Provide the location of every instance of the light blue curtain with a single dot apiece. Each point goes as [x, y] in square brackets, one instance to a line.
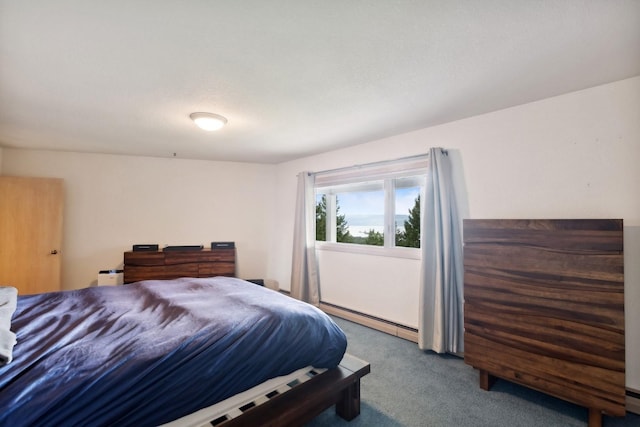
[441, 319]
[304, 270]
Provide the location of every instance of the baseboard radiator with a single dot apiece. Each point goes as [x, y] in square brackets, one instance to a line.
[368, 320]
[633, 401]
[372, 322]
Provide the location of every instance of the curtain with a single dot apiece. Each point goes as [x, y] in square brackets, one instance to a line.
[304, 272]
[441, 320]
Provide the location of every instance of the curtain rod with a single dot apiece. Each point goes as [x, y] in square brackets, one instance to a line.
[381, 162]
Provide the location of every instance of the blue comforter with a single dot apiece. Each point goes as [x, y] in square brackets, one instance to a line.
[150, 352]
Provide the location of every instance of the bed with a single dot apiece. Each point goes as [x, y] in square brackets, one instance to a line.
[160, 351]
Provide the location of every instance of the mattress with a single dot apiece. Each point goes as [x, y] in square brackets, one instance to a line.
[153, 351]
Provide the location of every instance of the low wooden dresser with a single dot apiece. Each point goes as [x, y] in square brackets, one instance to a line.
[165, 265]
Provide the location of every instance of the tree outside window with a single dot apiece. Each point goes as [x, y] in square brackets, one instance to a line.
[342, 228]
[410, 236]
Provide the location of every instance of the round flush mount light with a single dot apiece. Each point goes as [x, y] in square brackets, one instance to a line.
[208, 121]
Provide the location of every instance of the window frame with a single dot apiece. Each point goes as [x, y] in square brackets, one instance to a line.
[358, 177]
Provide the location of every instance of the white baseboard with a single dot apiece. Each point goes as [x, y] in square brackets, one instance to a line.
[633, 402]
[371, 322]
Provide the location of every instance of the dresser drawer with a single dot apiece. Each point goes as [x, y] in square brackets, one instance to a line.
[143, 258]
[216, 269]
[159, 272]
[203, 256]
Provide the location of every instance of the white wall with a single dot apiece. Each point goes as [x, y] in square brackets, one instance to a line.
[572, 156]
[396, 300]
[113, 202]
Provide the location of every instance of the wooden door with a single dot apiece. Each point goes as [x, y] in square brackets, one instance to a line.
[30, 233]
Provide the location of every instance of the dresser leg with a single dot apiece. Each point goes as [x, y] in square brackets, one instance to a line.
[486, 380]
[595, 417]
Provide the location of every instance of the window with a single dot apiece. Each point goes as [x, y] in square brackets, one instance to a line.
[368, 207]
[407, 211]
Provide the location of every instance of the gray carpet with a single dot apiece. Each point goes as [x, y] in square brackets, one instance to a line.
[408, 387]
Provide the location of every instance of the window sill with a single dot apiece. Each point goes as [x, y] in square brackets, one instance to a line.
[396, 252]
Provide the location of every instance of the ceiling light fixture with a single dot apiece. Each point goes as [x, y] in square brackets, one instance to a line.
[208, 121]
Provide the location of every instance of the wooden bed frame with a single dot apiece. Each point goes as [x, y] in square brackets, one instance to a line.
[292, 400]
[339, 386]
[544, 307]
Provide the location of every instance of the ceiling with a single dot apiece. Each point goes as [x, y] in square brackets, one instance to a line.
[293, 78]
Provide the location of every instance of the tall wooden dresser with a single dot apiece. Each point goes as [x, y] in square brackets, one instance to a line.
[165, 265]
[544, 307]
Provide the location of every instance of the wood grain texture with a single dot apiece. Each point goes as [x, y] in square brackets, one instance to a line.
[160, 265]
[544, 307]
